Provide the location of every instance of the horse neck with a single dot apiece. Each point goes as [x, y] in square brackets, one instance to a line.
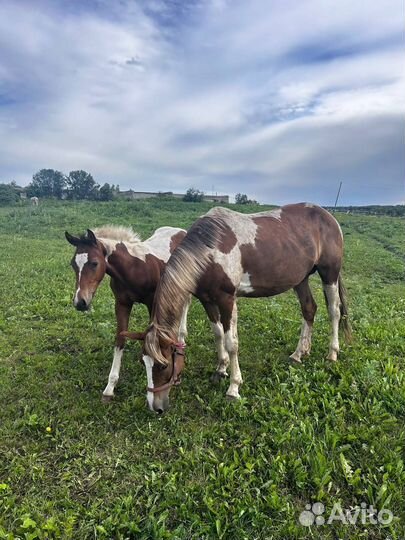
[134, 248]
[168, 305]
[182, 274]
[167, 320]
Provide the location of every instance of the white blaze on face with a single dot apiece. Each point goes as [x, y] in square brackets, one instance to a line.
[147, 360]
[80, 260]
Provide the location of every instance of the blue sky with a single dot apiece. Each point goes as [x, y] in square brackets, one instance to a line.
[281, 100]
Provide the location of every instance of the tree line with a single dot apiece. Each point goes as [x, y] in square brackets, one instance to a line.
[48, 183]
[76, 185]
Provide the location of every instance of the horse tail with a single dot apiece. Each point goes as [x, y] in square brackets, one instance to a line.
[344, 323]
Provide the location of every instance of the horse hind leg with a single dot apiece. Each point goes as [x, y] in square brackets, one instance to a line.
[330, 283]
[308, 308]
[331, 292]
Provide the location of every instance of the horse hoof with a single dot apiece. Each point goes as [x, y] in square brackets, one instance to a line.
[295, 359]
[106, 399]
[230, 397]
[218, 376]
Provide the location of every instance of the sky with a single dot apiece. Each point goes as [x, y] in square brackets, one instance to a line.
[278, 99]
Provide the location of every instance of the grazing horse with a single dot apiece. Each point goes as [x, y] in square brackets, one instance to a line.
[135, 268]
[225, 255]
[34, 201]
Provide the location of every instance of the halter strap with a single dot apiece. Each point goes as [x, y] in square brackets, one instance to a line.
[178, 350]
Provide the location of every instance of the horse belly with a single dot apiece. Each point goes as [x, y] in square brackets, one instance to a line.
[268, 272]
[269, 284]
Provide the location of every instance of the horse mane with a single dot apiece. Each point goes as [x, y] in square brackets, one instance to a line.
[117, 233]
[180, 279]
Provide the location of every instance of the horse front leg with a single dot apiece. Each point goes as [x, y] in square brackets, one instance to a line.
[308, 308]
[216, 325]
[183, 322]
[122, 313]
[223, 356]
[229, 317]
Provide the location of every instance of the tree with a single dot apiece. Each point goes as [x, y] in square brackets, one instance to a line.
[81, 185]
[193, 195]
[47, 183]
[8, 195]
[106, 192]
[242, 198]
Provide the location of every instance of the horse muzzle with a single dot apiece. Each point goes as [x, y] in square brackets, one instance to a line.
[81, 304]
[158, 402]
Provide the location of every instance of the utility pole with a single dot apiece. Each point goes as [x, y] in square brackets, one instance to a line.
[337, 196]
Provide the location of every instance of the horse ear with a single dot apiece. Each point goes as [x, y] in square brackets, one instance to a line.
[140, 336]
[72, 239]
[91, 236]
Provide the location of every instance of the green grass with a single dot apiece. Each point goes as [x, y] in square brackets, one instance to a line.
[208, 469]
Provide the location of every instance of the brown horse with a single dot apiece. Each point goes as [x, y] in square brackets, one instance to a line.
[225, 255]
[135, 268]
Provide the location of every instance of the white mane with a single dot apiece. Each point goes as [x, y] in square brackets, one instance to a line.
[118, 234]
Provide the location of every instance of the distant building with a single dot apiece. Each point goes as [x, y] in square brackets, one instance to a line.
[130, 194]
[216, 198]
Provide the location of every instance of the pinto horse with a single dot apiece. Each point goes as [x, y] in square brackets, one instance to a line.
[226, 254]
[135, 268]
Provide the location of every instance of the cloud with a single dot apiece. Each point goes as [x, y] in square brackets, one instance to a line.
[281, 100]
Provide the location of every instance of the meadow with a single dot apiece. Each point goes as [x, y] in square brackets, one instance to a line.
[74, 468]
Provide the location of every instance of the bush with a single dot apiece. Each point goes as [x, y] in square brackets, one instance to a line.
[242, 198]
[193, 195]
[106, 192]
[8, 195]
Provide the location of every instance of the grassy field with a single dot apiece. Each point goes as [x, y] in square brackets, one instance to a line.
[71, 467]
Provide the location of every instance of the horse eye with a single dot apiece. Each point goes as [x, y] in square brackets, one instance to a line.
[162, 367]
[93, 264]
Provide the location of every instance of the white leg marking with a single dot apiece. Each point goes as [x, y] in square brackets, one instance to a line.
[332, 294]
[147, 360]
[223, 357]
[183, 322]
[232, 345]
[80, 260]
[304, 343]
[245, 285]
[114, 372]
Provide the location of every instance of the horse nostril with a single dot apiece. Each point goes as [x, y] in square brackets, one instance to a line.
[81, 305]
[159, 411]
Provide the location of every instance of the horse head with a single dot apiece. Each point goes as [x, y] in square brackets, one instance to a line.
[90, 266]
[163, 358]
